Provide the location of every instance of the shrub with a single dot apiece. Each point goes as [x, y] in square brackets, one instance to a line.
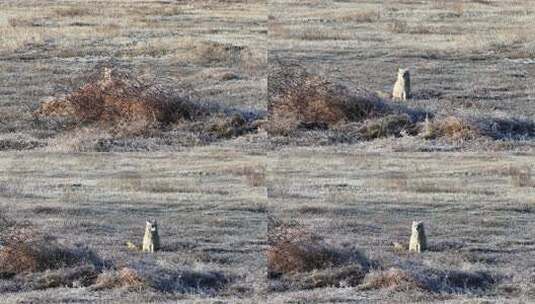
[393, 279]
[118, 101]
[125, 277]
[293, 250]
[391, 125]
[300, 99]
[75, 277]
[24, 251]
[451, 127]
[428, 279]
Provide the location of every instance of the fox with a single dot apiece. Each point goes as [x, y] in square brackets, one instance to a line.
[151, 240]
[402, 87]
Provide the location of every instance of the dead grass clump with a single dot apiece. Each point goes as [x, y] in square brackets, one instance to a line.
[392, 125]
[86, 139]
[339, 277]
[298, 99]
[75, 277]
[451, 127]
[117, 101]
[455, 281]
[392, 279]
[24, 250]
[125, 277]
[223, 126]
[506, 128]
[427, 279]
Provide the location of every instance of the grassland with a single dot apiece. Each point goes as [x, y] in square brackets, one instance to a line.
[352, 199]
[477, 218]
[215, 52]
[210, 206]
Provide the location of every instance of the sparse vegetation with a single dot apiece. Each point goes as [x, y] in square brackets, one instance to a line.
[280, 170]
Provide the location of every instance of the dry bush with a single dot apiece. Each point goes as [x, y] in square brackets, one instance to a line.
[393, 279]
[391, 125]
[428, 279]
[294, 249]
[24, 250]
[223, 125]
[452, 127]
[299, 259]
[123, 278]
[75, 277]
[300, 99]
[117, 102]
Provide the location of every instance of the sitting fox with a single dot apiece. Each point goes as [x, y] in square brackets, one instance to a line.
[151, 240]
[402, 88]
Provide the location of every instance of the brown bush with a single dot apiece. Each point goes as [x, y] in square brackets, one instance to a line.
[24, 250]
[298, 98]
[393, 278]
[124, 278]
[294, 249]
[451, 127]
[118, 101]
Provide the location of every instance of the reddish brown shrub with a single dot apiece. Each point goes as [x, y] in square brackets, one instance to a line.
[294, 249]
[115, 99]
[298, 98]
[24, 250]
[123, 278]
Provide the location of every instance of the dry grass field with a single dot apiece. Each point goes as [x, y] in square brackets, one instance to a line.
[471, 59]
[210, 205]
[262, 137]
[476, 213]
[213, 51]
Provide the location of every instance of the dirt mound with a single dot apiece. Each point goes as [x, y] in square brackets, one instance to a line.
[118, 100]
[300, 99]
